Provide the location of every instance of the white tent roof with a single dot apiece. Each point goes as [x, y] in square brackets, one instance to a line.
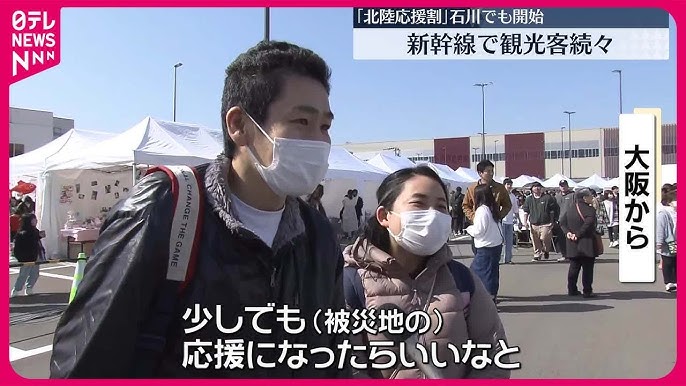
[390, 162]
[554, 181]
[62, 148]
[523, 180]
[468, 174]
[344, 165]
[448, 175]
[593, 182]
[151, 142]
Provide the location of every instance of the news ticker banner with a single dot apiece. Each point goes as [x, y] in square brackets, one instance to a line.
[510, 34]
[638, 190]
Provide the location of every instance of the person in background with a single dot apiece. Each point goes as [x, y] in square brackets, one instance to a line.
[15, 222]
[488, 239]
[349, 224]
[359, 204]
[402, 258]
[611, 204]
[508, 222]
[13, 203]
[541, 212]
[579, 225]
[457, 213]
[524, 233]
[315, 199]
[667, 191]
[27, 249]
[28, 204]
[501, 195]
[565, 200]
[615, 191]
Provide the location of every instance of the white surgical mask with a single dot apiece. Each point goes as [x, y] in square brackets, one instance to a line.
[423, 232]
[298, 166]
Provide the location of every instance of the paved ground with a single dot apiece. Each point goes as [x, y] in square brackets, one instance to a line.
[629, 331]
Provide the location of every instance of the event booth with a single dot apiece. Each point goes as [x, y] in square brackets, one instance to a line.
[76, 193]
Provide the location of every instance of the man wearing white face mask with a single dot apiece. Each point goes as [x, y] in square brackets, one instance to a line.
[260, 245]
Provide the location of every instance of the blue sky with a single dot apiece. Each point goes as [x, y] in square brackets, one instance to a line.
[116, 69]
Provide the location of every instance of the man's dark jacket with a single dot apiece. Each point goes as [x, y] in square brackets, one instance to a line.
[96, 336]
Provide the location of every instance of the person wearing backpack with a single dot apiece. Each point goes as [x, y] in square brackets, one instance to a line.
[403, 259]
[147, 309]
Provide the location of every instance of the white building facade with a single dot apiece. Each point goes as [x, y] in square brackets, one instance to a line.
[31, 129]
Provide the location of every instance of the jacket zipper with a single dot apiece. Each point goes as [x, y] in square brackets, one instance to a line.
[273, 278]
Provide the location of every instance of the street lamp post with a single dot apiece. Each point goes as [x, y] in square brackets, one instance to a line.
[266, 24]
[176, 66]
[620, 88]
[562, 148]
[569, 126]
[483, 116]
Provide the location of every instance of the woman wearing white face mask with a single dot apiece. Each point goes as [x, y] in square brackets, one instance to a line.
[402, 260]
[488, 239]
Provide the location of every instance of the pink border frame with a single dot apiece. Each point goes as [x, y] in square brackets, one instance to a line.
[677, 8]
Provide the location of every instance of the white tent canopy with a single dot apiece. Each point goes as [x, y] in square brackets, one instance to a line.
[523, 180]
[467, 174]
[594, 182]
[32, 164]
[390, 162]
[152, 142]
[554, 181]
[344, 165]
[448, 175]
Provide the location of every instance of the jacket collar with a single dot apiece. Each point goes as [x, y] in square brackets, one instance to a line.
[363, 254]
[219, 200]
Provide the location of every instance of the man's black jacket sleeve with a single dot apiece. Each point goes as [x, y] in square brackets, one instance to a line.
[96, 336]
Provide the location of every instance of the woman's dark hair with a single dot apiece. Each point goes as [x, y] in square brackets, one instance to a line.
[26, 222]
[386, 195]
[484, 196]
[668, 197]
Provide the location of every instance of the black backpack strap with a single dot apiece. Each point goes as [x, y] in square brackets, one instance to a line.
[354, 291]
[184, 243]
[464, 282]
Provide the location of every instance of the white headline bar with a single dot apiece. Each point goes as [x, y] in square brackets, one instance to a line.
[637, 258]
[511, 44]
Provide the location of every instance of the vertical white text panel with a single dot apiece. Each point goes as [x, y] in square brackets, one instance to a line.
[636, 227]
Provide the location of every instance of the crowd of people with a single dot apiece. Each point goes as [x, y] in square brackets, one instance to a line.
[260, 245]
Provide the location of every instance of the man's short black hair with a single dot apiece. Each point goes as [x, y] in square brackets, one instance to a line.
[507, 181]
[255, 79]
[481, 166]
